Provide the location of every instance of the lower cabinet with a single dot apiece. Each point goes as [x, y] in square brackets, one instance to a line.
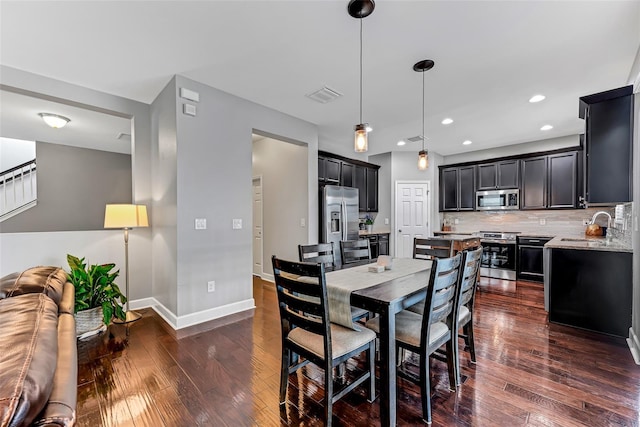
[591, 289]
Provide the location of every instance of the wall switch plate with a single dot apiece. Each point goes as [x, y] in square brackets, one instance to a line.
[542, 221]
[237, 224]
[386, 221]
[191, 95]
[456, 221]
[189, 109]
[303, 223]
[211, 286]
[201, 223]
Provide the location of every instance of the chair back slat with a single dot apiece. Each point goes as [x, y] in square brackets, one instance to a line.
[432, 247]
[469, 278]
[321, 253]
[355, 250]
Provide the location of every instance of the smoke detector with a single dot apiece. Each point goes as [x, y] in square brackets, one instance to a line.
[324, 95]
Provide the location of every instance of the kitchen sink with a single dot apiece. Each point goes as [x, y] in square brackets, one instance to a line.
[575, 240]
[589, 242]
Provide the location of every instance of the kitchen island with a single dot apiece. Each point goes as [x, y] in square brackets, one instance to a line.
[588, 284]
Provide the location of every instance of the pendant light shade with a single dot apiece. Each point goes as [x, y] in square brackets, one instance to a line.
[423, 155]
[360, 9]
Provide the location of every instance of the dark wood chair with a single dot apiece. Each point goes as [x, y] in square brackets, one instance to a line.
[424, 334]
[432, 247]
[469, 276]
[322, 253]
[354, 251]
[307, 331]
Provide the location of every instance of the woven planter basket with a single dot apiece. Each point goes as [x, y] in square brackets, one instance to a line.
[89, 321]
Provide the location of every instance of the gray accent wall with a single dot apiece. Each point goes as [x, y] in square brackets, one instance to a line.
[74, 185]
[283, 168]
[634, 334]
[213, 180]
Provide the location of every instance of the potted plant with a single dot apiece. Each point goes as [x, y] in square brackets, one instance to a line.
[98, 298]
[368, 222]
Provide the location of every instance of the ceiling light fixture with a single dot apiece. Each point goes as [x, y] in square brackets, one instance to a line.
[447, 121]
[423, 155]
[546, 127]
[54, 120]
[401, 143]
[537, 98]
[360, 9]
[467, 142]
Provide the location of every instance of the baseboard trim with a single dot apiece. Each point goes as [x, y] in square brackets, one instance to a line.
[634, 345]
[268, 277]
[179, 322]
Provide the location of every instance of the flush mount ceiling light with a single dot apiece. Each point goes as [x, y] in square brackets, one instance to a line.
[360, 9]
[447, 121]
[467, 142]
[537, 98]
[546, 127]
[423, 155]
[54, 120]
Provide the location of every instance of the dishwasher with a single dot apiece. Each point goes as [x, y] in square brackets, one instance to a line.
[530, 263]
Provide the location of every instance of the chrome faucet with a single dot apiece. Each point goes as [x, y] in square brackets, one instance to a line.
[593, 220]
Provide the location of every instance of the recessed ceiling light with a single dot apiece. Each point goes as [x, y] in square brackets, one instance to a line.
[447, 121]
[54, 120]
[401, 143]
[368, 129]
[467, 142]
[537, 98]
[546, 127]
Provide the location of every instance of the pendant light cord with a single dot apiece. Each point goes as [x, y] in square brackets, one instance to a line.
[360, 70]
[423, 135]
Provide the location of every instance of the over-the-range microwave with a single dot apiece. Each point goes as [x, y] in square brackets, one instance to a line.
[498, 200]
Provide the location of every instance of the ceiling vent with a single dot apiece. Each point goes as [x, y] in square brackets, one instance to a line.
[324, 95]
[416, 138]
[124, 136]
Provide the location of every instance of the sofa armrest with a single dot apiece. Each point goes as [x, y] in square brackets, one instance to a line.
[68, 301]
[61, 407]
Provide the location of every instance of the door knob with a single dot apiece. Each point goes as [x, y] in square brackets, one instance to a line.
[399, 231]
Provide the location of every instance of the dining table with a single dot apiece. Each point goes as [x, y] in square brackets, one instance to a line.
[384, 293]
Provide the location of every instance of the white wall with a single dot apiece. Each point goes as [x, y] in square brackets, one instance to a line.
[283, 168]
[385, 190]
[14, 152]
[516, 149]
[634, 333]
[22, 244]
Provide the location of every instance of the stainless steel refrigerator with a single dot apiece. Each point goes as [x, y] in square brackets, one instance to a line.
[339, 207]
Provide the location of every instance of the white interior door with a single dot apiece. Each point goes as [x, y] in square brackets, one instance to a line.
[413, 202]
[257, 226]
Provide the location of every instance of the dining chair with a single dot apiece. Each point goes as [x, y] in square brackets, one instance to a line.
[432, 247]
[322, 253]
[468, 283]
[355, 250]
[307, 331]
[424, 334]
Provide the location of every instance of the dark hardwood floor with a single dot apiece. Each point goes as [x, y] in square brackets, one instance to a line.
[226, 373]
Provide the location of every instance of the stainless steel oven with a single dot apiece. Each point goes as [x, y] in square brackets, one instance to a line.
[498, 255]
[498, 200]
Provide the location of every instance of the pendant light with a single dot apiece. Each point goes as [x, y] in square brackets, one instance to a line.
[361, 9]
[423, 155]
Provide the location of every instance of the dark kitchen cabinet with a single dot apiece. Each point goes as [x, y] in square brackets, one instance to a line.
[549, 182]
[338, 170]
[383, 244]
[457, 188]
[608, 146]
[530, 265]
[534, 183]
[379, 244]
[498, 175]
[591, 289]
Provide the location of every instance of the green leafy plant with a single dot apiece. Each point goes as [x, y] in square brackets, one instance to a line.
[95, 288]
[368, 220]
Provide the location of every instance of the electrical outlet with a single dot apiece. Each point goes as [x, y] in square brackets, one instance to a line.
[456, 221]
[303, 223]
[237, 224]
[386, 221]
[211, 286]
[542, 221]
[201, 224]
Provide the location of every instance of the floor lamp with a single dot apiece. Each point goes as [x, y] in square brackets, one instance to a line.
[126, 217]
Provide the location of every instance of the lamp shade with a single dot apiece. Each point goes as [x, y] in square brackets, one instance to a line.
[125, 216]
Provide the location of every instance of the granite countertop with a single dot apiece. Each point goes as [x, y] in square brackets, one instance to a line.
[588, 243]
[458, 236]
[373, 232]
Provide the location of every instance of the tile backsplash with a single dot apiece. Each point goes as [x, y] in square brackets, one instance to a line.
[568, 222]
[622, 231]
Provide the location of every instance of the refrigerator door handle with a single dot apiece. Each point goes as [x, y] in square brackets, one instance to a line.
[345, 220]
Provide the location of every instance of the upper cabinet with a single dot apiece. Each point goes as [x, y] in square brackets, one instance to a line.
[550, 182]
[457, 188]
[498, 175]
[338, 170]
[608, 146]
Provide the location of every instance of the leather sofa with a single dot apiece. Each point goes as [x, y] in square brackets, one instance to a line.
[38, 353]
